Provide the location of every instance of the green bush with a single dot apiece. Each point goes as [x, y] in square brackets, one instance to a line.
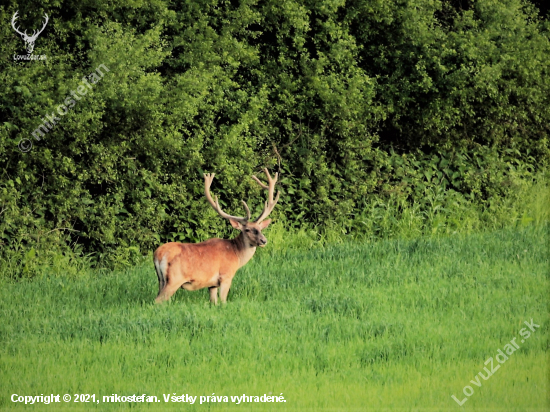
[363, 106]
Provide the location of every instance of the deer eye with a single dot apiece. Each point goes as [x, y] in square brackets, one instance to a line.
[255, 232]
[247, 230]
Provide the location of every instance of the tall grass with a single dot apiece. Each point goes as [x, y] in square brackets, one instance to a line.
[398, 314]
[397, 324]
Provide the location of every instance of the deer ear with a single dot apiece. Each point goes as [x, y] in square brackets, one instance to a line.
[236, 224]
[265, 224]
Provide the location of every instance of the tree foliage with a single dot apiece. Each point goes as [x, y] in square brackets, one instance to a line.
[350, 100]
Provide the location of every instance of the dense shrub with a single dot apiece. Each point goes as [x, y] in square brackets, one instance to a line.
[357, 103]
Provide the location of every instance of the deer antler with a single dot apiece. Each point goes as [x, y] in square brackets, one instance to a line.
[270, 187]
[15, 28]
[208, 178]
[35, 34]
[24, 34]
[29, 40]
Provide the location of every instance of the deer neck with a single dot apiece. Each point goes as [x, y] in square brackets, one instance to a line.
[243, 249]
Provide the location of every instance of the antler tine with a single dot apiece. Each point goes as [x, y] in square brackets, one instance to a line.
[260, 183]
[46, 22]
[270, 187]
[208, 178]
[247, 210]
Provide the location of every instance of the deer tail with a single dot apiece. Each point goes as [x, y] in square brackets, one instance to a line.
[160, 267]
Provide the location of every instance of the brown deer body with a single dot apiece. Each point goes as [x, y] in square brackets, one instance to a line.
[213, 263]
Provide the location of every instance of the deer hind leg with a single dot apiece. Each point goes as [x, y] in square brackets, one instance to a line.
[166, 293]
[168, 285]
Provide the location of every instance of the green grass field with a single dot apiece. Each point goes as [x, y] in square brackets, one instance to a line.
[390, 325]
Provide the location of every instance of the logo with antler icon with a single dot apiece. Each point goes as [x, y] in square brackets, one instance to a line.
[29, 40]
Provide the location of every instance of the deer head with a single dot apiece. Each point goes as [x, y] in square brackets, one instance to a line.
[29, 40]
[251, 230]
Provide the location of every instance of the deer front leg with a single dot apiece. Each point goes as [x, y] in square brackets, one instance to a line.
[213, 294]
[224, 289]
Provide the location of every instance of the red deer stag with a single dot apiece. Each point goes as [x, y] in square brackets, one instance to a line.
[213, 263]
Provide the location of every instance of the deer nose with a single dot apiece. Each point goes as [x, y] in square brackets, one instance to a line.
[263, 242]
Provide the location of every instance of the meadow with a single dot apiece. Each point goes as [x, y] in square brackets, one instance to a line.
[409, 247]
[384, 325]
